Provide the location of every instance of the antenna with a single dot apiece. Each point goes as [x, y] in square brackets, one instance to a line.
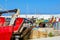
[35, 11]
[6, 4]
[27, 8]
[1, 7]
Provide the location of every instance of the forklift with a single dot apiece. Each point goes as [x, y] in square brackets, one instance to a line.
[13, 30]
[6, 31]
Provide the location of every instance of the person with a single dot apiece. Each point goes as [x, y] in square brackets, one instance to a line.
[41, 25]
[32, 20]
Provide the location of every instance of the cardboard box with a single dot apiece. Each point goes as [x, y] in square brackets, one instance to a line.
[41, 33]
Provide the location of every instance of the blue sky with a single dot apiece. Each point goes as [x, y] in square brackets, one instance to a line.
[32, 6]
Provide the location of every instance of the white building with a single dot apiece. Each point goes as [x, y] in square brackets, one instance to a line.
[37, 16]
